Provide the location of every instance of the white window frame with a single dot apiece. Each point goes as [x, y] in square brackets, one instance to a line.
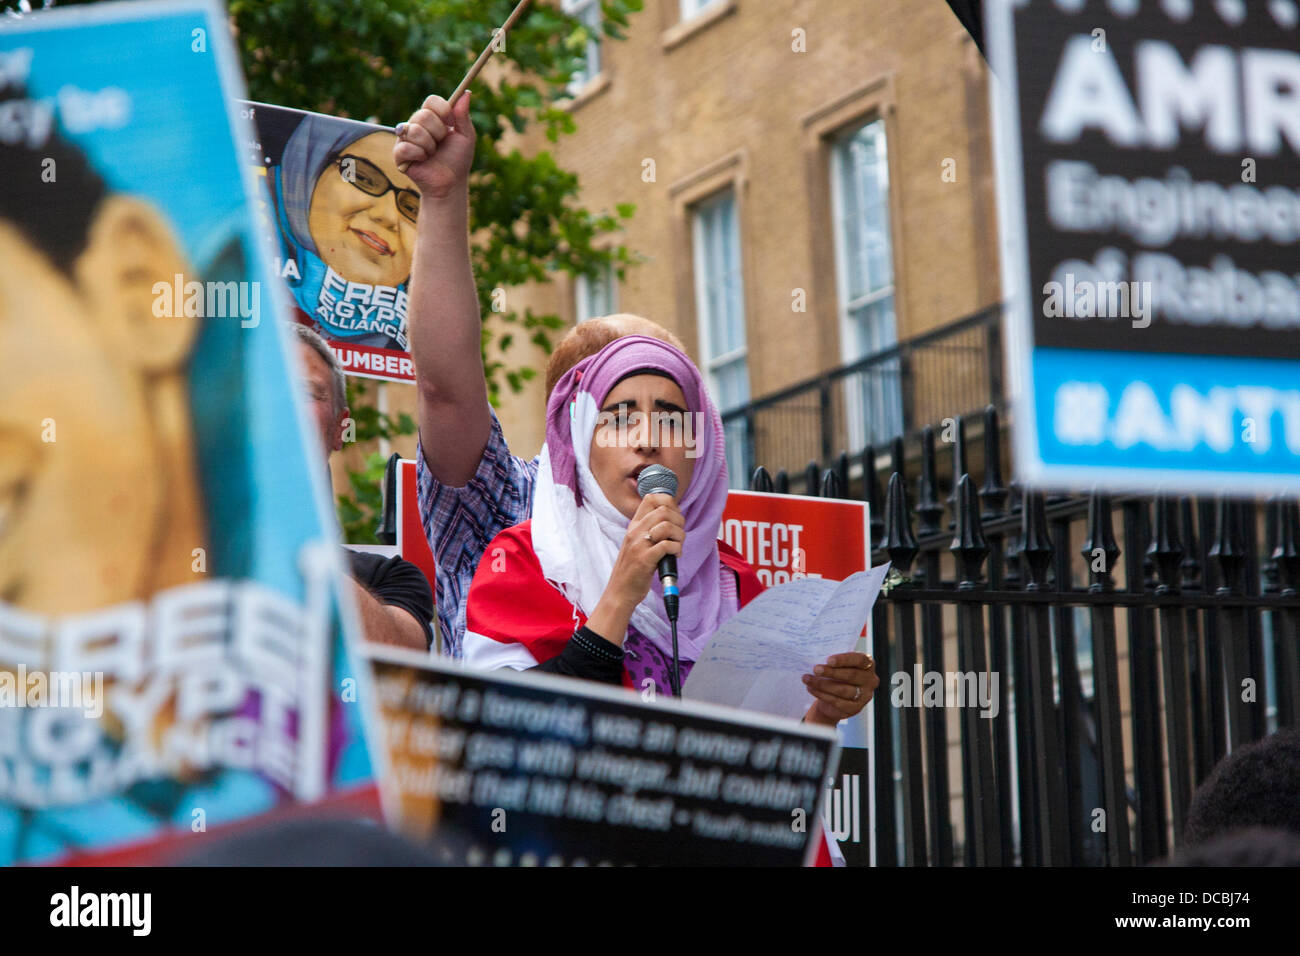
[577, 9]
[857, 423]
[690, 9]
[847, 306]
[583, 288]
[709, 360]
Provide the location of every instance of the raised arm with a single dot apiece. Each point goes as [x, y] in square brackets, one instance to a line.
[443, 313]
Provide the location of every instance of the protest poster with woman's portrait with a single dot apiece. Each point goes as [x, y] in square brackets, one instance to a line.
[343, 218]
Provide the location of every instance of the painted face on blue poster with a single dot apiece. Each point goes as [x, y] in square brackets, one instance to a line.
[171, 640]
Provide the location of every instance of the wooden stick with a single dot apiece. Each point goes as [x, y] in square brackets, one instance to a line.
[483, 57]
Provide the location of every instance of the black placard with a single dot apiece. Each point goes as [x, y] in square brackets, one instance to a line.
[1148, 158]
[1160, 144]
[509, 769]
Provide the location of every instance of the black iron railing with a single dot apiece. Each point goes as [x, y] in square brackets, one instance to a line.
[1180, 637]
[951, 370]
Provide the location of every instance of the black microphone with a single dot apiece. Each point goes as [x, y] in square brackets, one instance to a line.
[657, 479]
[653, 480]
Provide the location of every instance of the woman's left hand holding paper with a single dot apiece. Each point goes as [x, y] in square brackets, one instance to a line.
[842, 687]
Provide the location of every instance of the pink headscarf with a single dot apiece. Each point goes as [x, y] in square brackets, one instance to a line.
[577, 533]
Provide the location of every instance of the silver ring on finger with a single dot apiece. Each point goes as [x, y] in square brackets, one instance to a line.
[857, 693]
[648, 538]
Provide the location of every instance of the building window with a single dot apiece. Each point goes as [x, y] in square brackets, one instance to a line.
[720, 306]
[593, 298]
[691, 8]
[586, 12]
[865, 277]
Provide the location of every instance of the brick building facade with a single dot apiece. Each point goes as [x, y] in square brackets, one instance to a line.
[812, 181]
[800, 171]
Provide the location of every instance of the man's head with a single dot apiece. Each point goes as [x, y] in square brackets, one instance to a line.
[325, 392]
[1257, 785]
[588, 338]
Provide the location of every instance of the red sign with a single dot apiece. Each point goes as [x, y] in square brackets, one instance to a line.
[792, 536]
[371, 362]
[412, 544]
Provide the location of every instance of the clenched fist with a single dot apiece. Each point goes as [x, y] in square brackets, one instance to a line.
[436, 147]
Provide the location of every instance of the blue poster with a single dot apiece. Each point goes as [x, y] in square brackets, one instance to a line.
[173, 646]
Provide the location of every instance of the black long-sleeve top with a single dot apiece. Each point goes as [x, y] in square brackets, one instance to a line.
[589, 656]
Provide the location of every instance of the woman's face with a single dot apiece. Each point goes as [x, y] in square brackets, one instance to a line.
[363, 238]
[641, 424]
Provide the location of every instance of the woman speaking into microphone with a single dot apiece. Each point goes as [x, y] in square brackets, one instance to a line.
[574, 590]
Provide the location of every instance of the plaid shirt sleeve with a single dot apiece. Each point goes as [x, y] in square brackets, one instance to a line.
[459, 523]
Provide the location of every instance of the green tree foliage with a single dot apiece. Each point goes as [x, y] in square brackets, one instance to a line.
[361, 509]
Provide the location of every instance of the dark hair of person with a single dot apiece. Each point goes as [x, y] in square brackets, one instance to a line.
[55, 215]
[323, 843]
[1257, 785]
[1251, 846]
